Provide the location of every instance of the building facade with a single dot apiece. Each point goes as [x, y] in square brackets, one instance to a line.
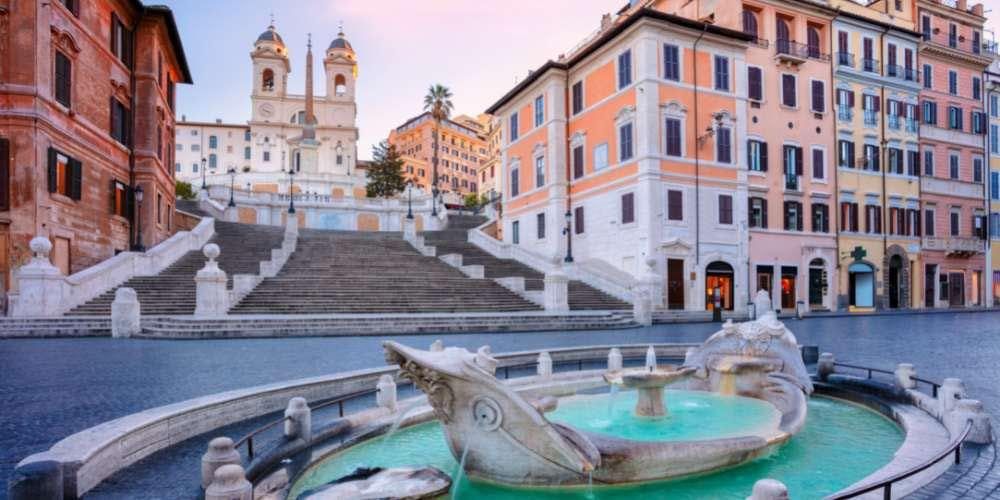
[463, 150]
[314, 135]
[489, 171]
[88, 119]
[992, 100]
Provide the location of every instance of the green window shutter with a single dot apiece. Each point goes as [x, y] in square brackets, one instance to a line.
[75, 179]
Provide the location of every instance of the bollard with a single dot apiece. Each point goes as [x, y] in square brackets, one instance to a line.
[299, 422]
[544, 364]
[220, 452]
[125, 314]
[42, 480]
[967, 410]
[769, 489]
[904, 376]
[614, 360]
[951, 390]
[386, 395]
[824, 367]
[229, 483]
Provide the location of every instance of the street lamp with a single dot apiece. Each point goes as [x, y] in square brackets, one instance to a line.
[291, 190]
[569, 238]
[138, 224]
[409, 200]
[232, 185]
[203, 162]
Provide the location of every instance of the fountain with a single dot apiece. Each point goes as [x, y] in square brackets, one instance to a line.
[503, 437]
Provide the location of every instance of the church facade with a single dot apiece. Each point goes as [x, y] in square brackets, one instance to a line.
[314, 136]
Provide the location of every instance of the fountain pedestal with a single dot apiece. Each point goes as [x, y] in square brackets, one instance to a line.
[649, 384]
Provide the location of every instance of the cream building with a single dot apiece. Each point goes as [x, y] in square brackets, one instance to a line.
[316, 136]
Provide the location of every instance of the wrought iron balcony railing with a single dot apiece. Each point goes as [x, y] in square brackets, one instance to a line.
[902, 73]
[845, 59]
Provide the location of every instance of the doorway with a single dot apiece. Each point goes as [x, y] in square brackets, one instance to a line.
[675, 283]
[719, 275]
[956, 289]
[930, 278]
[895, 268]
[861, 285]
[4, 267]
[817, 283]
[61, 254]
[788, 282]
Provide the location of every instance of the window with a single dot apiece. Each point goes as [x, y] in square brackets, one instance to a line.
[891, 68]
[539, 110]
[788, 90]
[267, 156]
[928, 162]
[928, 76]
[782, 36]
[246, 153]
[791, 159]
[65, 174]
[758, 212]
[194, 167]
[818, 96]
[63, 79]
[625, 142]
[119, 197]
[930, 113]
[721, 73]
[671, 62]
[723, 145]
[246, 135]
[952, 35]
[4, 173]
[213, 142]
[929, 222]
[820, 218]
[624, 69]
[756, 156]
[844, 57]
[213, 160]
[849, 216]
[977, 170]
[925, 27]
[812, 42]
[845, 154]
[725, 209]
[952, 82]
[953, 166]
[793, 216]
[578, 226]
[978, 121]
[869, 63]
[577, 97]
[600, 156]
[195, 147]
[539, 171]
[120, 121]
[673, 139]
[955, 224]
[121, 41]
[995, 139]
[895, 165]
[954, 117]
[976, 88]
[513, 127]
[515, 232]
[675, 205]
[818, 164]
[515, 182]
[755, 85]
[912, 163]
[577, 162]
[871, 158]
[871, 105]
[994, 106]
[628, 208]
[750, 24]
[873, 219]
[995, 187]
[540, 226]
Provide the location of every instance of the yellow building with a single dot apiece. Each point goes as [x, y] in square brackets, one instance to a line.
[462, 152]
[992, 93]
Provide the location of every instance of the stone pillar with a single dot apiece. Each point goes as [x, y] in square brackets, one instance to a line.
[651, 284]
[544, 364]
[409, 229]
[386, 395]
[951, 390]
[642, 307]
[125, 314]
[556, 295]
[229, 483]
[41, 480]
[769, 489]
[614, 360]
[212, 298]
[904, 376]
[824, 367]
[40, 284]
[969, 410]
[299, 422]
[220, 452]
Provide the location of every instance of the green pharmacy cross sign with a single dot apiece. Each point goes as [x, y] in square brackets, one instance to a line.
[859, 253]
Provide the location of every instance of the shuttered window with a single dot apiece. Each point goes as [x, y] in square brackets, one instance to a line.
[673, 131]
[724, 145]
[788, 90]
[671, 62]
[675, 205]
[578, 162]
[624, 69]
[628, 208]
[756, 156]
[818, 96]
[758, 212]
[721, 73]
[65, 174]
[63, 79]
[820, 218]
[577, 97]
[755, 83]
[793, 216]
[578, 226]
[725, 209]
[818, 167]
[120, 121]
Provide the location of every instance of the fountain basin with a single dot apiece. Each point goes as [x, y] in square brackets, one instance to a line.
[649, 383]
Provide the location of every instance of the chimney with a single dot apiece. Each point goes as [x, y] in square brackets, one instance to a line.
[977, 10]
[605, 21]
[218, 120]
[184, 118]
[962, 5]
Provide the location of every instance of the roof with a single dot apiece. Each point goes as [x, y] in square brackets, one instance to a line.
[184, 123]
[881, 24]
[611, 33]
[453, 122]
[340, 43]
[270, 36]
[167, 15]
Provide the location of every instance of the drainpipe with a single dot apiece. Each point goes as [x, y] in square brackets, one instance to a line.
[884, 153]
[133, 236]
[988, 245]
[835, 163]
[697, 161]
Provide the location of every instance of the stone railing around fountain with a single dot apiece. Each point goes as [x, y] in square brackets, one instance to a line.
[42, 291]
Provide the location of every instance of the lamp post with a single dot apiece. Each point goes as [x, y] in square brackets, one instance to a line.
[203, 162]
[409, 200]
[138, 222]
[232, 185]
[569, 238]
[291, 190]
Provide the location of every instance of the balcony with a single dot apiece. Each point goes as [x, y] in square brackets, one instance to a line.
[871, 118]
[844, 113]
[845, 59]
[892, 121]
[790, 52]
[902, 73]
[937, 38]
[912, 125]
[955, 246]
[792, 182]
[869, 65]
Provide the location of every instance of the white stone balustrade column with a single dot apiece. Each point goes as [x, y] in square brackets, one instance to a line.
[298, 423]
[221, 451]
[229, 483]
[544, 364]
[556, 294]
[126, 319]
[386, 396]
[212, 299]
[40, 284]
[409, 229]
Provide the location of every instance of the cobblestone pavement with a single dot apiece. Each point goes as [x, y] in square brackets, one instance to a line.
[52, 388]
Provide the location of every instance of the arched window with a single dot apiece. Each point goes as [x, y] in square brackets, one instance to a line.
[750, 23]
[267, 79]
[813, 41]
[339, 85]
[782, 36]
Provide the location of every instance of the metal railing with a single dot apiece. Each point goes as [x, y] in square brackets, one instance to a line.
[870, 371]
[800, 50]
[845, 59]
[869, 65]
[902, 72]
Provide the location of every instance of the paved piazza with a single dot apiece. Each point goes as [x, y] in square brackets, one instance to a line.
[53, 388]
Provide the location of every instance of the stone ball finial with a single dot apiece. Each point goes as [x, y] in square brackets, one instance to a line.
[769, 489]
[40, 246]
[211, 251]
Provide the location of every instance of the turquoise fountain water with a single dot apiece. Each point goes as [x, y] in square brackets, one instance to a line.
[841, 444]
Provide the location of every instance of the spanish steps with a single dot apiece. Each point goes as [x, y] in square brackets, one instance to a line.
[454, 239]
[172, 291]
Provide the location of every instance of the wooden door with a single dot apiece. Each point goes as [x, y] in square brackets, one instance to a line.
[956, 289]
[675, 283]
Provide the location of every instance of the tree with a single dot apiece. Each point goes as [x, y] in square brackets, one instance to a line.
[385, 173]
[438, 102]
[183, 190]
[472, 201]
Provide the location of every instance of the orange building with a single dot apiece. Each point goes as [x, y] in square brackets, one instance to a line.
[463, 151]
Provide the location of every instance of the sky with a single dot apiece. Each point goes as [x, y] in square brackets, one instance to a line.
[477, 48]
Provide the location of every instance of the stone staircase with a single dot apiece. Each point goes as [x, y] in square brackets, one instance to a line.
[372, 272]
[172, 292]
[454, 239]
[191, 207]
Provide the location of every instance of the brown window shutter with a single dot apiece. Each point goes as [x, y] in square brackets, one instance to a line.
[53, 182]
[763, 213]
[798, 160]
[4, 173]
[75, 179]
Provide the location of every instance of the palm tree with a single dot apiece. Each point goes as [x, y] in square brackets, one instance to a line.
[438, 102]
